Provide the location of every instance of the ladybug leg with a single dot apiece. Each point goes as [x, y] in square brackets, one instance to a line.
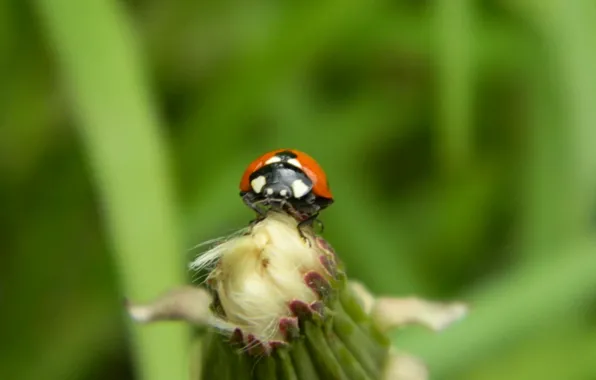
[307, 222]
[260, 215]
[302, 235]
[249, 200]
[290, 209]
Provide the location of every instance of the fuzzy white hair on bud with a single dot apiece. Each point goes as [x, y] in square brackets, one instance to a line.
[258, 274]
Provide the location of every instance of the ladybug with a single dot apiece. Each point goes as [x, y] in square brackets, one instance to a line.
[289, 180]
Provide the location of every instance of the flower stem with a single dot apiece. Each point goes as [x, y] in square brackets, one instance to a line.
[303, 364]
[286, 368]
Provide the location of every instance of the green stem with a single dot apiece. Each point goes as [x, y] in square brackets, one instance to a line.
[286, 370]
[370, 357]
[305, 369]
[266, 368]
[243, 368]
[353, 308]
[322, 354]
[346, 359]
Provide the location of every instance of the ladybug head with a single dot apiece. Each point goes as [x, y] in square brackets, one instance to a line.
[280, 180]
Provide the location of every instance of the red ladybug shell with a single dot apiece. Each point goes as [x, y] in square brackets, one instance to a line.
[309, 166]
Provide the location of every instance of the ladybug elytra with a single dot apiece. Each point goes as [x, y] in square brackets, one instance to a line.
[289, 180]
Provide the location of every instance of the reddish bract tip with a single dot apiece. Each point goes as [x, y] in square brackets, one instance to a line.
[237, 338]
[318, 284]
[256, 347]
[289, 328]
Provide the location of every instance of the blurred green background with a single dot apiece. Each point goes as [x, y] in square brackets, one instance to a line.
[459, 138]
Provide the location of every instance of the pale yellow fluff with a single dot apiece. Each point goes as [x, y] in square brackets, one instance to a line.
[257, 275]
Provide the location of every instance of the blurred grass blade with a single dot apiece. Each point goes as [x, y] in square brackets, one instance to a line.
[98, 58]
[546, 204]
[454, 69]
[571, 27]
[533, 296]
[562, 142]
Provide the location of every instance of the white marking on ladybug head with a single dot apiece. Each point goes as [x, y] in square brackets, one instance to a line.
[283, 192]
[258, 183]
[295, 162]
[299, 188]
[272, 160]
[269, 191]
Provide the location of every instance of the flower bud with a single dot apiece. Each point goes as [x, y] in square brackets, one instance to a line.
[281, 307]
[269, 274]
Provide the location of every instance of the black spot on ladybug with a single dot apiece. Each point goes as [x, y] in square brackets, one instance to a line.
[286, 155]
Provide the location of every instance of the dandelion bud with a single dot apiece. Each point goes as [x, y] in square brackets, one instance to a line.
[281, 307]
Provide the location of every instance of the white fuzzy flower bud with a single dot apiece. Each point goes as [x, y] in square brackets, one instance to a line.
[258, 275]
